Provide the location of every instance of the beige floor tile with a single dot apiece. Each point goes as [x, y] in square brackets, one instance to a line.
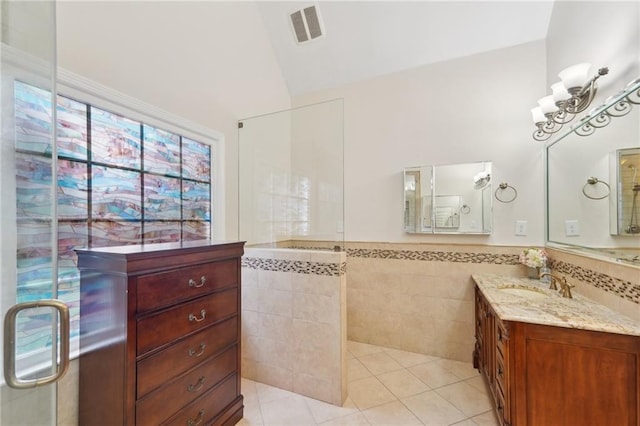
[465, 422]
[251, 415]
[268, 393]
[409, 359]
[466, 398]
[379, 363]
[287, 411]
[486, 419]
[432, 409]
[464, 370]
[357, 419]
[478, 383]
[356, 371]
[391, 414]
[434, 375]
[369, 392]
[358, 349]
[322, 411]
[402, 383]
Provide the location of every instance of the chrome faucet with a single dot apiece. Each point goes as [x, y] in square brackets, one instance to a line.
[565, 287]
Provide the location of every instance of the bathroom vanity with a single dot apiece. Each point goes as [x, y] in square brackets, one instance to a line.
[550, 360]
[160, 334]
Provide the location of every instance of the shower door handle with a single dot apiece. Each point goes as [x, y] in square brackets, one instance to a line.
[10, 343]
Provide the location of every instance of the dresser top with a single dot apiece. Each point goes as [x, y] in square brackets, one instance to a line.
[551, 309]
[144, 258]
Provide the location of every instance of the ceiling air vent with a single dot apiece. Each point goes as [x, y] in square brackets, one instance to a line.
[306, 24]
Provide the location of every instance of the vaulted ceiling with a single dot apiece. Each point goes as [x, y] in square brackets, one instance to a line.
[364, 39]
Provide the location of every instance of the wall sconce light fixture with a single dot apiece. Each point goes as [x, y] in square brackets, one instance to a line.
[570, 96]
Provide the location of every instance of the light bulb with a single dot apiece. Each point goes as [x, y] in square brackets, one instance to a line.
[548, 105]
[538, 116]
[560, 92]
[575, 75]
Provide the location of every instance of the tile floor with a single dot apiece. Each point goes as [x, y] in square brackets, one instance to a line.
[386, 387]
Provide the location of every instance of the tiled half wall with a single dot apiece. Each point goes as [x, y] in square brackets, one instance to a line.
[419, 297]
[294, 321]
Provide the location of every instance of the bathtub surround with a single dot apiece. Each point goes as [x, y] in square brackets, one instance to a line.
[294, 325]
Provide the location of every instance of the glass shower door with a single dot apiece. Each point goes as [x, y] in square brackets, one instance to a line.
[35, 332]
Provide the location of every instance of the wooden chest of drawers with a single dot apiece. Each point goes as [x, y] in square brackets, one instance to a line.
[160, 334]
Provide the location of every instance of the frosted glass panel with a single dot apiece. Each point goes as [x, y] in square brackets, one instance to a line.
[33, 118]
[115, 140]
[111, 233]
[161, 152]
[196, 201]
[73, 202]
[196, 230]
[196, 160]
[115, 194]
[162, 197]
[33, 181]
[161, 232]
[71, 128]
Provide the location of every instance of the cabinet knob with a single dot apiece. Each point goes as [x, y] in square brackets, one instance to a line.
[192, 352]
[198, 419]
[203, 315]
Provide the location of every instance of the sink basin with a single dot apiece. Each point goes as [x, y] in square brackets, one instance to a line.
[530, 293]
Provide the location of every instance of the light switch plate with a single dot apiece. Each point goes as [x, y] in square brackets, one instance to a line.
[571, 228]
[521, 227]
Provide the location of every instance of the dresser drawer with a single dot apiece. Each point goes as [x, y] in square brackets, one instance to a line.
[162, 289]
[205, 409]
[174, 395]
[155, 370]
[164, 327]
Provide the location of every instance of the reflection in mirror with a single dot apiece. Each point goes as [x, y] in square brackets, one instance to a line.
[451, 199]
[624, 202]
[591, 182]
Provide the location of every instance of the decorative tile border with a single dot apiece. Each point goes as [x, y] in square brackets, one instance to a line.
[297, 266]
[435, 256]
[625, 289]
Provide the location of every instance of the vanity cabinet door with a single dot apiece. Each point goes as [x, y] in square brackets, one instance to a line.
[577, 377]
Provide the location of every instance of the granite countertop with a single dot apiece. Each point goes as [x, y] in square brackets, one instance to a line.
[548, 307]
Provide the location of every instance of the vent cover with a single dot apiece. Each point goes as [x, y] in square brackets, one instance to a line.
[306, 24]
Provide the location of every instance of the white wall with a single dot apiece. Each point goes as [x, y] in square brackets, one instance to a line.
[465, 110]
[209, 62]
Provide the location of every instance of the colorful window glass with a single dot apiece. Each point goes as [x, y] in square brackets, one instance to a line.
[119, 182]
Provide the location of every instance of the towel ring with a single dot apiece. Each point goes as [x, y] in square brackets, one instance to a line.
[465, 209]
[503, 186]
[594, 181]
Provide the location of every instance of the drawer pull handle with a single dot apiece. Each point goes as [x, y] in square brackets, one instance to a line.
[197, 386]
[499, 371]
[197, 421]
[203, 314]
[200, 352]
[192, 282]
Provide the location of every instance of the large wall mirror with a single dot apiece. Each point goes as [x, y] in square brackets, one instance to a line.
[448, 199]
[593, 181]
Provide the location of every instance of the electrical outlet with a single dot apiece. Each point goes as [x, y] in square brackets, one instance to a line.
[521, 227]
[571, 228]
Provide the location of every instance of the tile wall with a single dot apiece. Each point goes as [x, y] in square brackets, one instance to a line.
[419, 297]
[294, 321]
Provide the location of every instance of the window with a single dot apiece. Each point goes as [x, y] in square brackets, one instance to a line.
[119, 181]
